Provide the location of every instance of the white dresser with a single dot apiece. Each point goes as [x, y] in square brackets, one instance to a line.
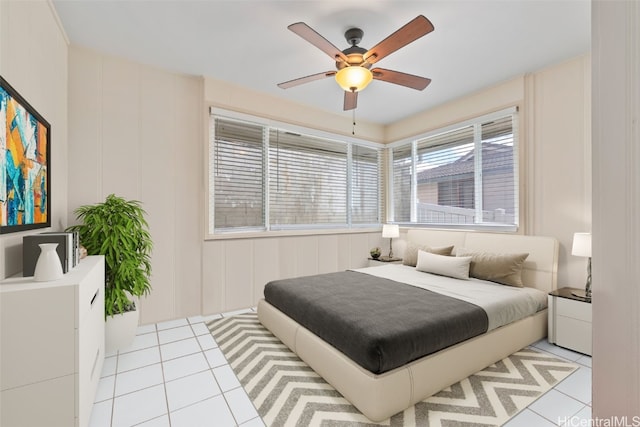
[52, 347]
[569, 320]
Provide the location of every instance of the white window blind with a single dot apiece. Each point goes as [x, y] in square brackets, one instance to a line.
[238, 175]
[365, 178]
[307, 180]
[466, 175]
[264, 178]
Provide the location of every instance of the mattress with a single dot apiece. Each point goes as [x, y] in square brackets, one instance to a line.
[378, 323]
[385, 317]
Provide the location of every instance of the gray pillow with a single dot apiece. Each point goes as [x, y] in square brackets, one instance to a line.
[410, 256]
[505, 269]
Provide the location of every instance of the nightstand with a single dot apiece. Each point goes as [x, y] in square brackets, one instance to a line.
[384, 260]
[569, 320]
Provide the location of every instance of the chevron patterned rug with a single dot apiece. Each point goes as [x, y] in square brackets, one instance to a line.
[287, 392]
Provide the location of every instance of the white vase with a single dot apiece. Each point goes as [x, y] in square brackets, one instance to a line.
[48, 266]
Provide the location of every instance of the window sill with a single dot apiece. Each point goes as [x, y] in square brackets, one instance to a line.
[289, 233]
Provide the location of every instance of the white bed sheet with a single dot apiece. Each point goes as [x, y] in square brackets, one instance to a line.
[503, 304]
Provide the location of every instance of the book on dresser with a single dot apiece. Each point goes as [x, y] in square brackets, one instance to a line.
[68, 250]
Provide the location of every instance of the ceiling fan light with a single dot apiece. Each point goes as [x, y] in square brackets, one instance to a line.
[354, 78]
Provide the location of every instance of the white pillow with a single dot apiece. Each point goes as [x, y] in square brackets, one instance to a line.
[456, 267]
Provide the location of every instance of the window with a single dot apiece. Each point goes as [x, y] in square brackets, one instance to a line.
[365, 185]
[238, 182]
[465, 175]
[265, 178]
[402, 165]
[307, 180]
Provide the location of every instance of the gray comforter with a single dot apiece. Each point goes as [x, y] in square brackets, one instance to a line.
[378, 323]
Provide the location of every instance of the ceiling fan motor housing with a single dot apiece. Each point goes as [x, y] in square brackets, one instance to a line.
[354, 53]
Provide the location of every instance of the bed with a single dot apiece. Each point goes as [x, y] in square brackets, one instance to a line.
[382, 386]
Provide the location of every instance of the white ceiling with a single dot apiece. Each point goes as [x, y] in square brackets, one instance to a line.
[476, 43]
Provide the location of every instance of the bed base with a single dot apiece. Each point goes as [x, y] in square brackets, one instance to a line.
[380, 396]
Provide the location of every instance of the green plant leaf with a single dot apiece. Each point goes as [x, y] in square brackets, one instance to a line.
[118, 229]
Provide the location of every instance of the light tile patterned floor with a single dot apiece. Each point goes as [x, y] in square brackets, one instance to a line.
[174, 375]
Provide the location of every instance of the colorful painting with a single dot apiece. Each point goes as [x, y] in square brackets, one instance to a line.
[25, 137]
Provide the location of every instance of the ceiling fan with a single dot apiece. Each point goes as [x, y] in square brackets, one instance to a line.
[353, 64]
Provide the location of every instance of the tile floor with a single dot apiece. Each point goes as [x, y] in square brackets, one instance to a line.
[174, 375]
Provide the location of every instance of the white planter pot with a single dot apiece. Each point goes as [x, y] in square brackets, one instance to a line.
[120, 330]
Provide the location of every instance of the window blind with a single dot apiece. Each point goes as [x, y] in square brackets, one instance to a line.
[263, 178]
[365, 179]
[307, 180]
[238, 175]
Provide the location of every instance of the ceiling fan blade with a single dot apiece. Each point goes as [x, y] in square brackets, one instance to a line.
[350, 100]
[402, 79]
[411, 31]
[306, 79]
[310, 35]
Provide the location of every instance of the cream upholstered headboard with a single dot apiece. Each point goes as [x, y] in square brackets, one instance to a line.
[539, 270]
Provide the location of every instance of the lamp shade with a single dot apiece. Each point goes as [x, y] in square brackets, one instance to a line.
[354, 78]
[581, 244]
[390, 230]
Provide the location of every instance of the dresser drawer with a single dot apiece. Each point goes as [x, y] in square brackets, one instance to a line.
[92, 285]
[574, 309]
[574, 334]
[35, 326]
[46, 403]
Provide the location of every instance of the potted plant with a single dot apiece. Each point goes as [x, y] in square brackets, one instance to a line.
[117, 229]
[375, 252]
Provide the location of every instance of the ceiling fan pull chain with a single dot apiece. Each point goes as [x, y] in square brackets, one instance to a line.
[353, 128]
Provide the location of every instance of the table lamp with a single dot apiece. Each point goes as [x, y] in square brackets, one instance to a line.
[390, 231]
[582, 247]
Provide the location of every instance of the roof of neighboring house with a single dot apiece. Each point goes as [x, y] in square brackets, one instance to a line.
[494, 156]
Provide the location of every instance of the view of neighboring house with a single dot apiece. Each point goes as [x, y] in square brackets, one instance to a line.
[449, 191]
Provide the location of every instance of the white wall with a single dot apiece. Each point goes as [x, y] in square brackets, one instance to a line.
[138, 131]
[616, 210]
[33, 59]
[557, 187]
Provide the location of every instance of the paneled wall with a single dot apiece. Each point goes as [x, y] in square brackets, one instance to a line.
[33, 59]
[137, 131]
[616, 212]
[235, 271]
[558, 159]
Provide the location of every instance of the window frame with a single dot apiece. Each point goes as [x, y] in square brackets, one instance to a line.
[413, 142]
[348, 228]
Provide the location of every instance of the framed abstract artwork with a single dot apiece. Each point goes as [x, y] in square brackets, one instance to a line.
[25, 167]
